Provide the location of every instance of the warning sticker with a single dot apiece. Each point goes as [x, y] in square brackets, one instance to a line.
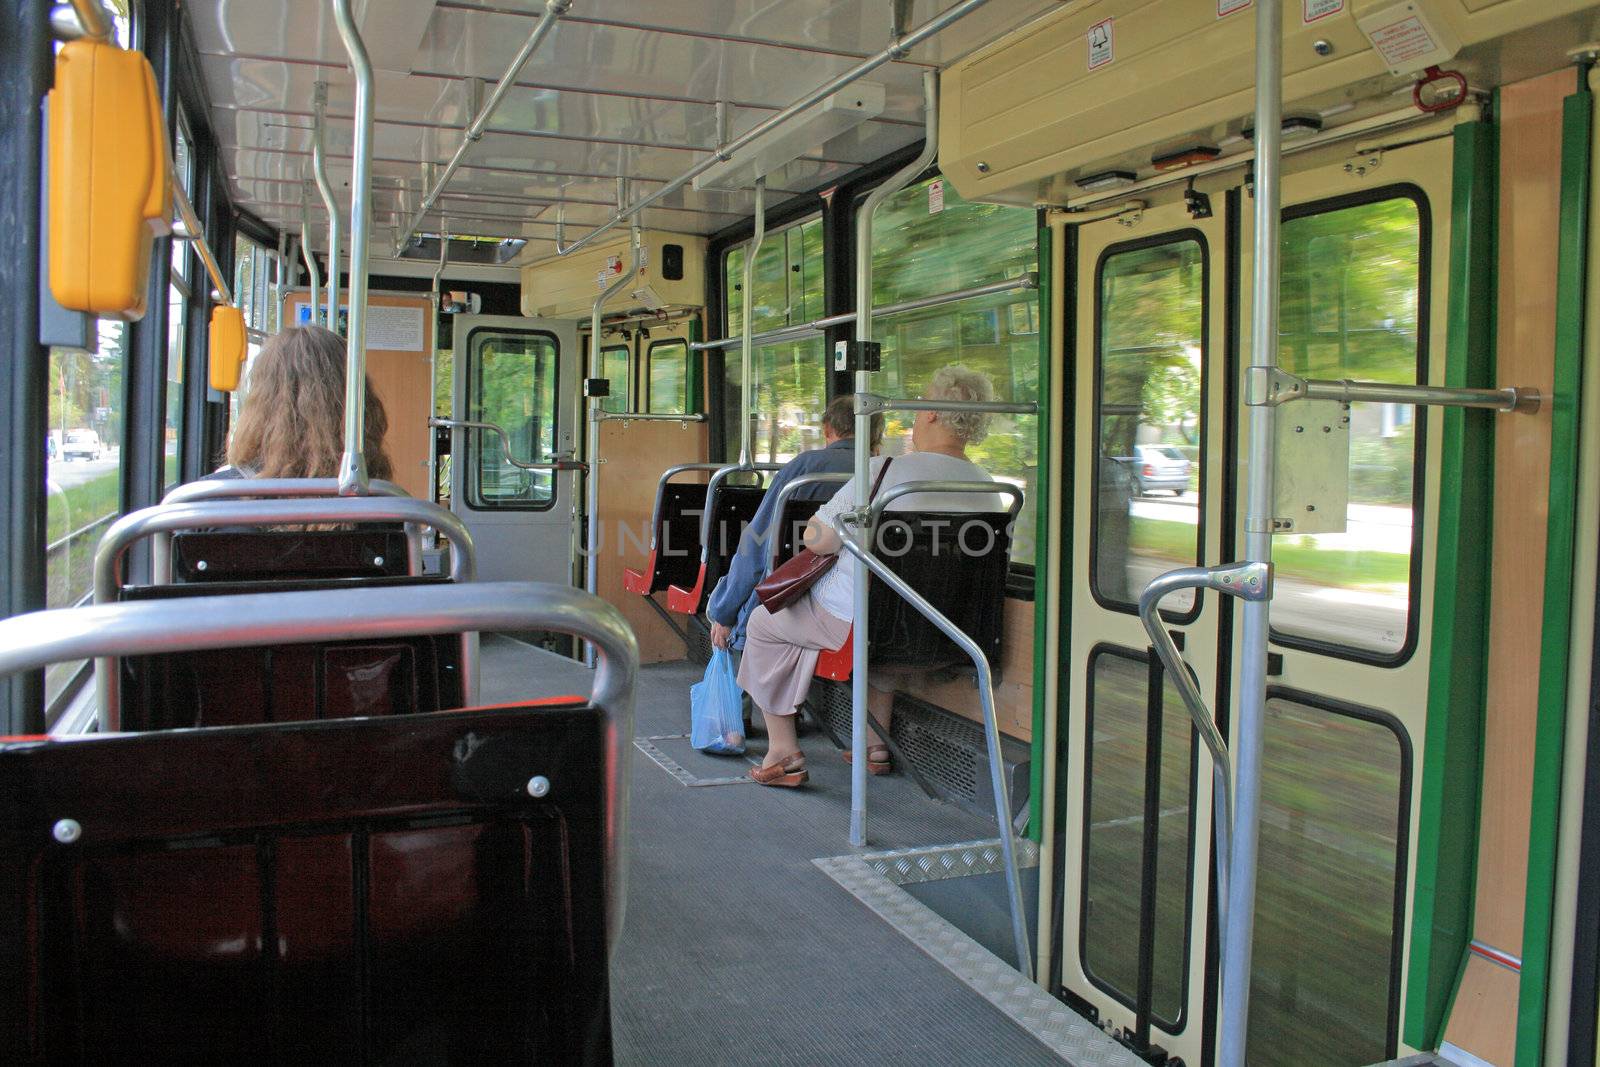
[1402, 41]
[1100, 50]
[1321, 9]
[1228, 7]
[936, 196]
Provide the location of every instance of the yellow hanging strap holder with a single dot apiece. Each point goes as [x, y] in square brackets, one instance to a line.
[228, 350]
[110, 196]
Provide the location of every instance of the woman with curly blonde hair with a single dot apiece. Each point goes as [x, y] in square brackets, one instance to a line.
[291, 424]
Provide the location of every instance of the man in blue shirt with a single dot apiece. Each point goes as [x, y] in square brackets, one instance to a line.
[734, 598]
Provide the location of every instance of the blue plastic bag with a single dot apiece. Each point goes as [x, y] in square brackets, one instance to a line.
[716, 708]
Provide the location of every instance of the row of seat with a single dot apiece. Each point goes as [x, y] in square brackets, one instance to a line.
[325, 871]
[961, 573]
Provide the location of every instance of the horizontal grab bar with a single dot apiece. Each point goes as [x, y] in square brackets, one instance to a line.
[505, 445]
[1023, 283]
[895, 492]
[785, 493]
[872, 403]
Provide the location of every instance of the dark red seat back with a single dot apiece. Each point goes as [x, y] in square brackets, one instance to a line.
[348, 891]
[278, 683]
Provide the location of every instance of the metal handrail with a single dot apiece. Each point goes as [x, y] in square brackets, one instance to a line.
[1248, 581]
[872, 404]
[781, 501]
[991, 731]
[747, 384]
[1023, 283]
[37, 639]
[553, 10]
[319, 171]
[266, 488]
[197, 235]
[170, 518]
[714, 486]
[898, 48]
[862, 458]
[661, 491]
[505, 445]
[649, 416]
[353, 466]
[1271, 387]
[313, 272]
[882, 501]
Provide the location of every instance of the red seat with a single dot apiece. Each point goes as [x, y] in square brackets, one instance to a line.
[640, 581]
[687, 601]
[834, 663]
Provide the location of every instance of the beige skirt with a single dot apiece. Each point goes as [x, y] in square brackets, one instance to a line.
[780, 653]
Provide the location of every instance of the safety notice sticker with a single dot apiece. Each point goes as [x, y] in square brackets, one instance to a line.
[1321, 9]
[1228, 7]
[936, 196]
[1403, 40]
[1100, 52]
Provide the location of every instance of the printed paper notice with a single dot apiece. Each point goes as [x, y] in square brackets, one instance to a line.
[395, 329]
[1321, 9]
[1228, 7]
[1100, 49]
[1402, 41]
[936, 196]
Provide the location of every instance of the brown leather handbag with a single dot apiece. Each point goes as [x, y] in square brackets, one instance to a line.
[791, 579]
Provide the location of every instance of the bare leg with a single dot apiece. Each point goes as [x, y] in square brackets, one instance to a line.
[880, 705]
[782, 740]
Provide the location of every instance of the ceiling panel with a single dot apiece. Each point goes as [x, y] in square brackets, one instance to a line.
[618, 88]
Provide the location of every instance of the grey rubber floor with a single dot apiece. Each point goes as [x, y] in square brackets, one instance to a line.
[738, 950]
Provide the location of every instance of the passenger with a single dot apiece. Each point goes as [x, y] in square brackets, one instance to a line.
[734, 598]
[780, 653]
[291, 424]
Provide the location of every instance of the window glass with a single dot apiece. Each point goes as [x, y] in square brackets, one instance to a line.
[1350, 296]
[84, 463]
[1333, 816]
[918, 252]
[1114, 838]
[667, 388]
[614, 361]
[183, 174]
[791, 377]
[177, 335]
[511, 378]
[1149, 425]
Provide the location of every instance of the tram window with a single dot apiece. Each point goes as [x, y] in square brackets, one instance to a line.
[920, 249]
[790, 377]
[1114, 822]
[84, 462]
[179, 292]
[1352, 285]
[614, 361]
[511, 380]
[1148, 417]
[1329, 886]
[667, 377]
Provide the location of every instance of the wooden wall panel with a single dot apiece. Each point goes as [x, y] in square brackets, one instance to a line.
[633, 456]
[403, 380]
[1483, 1019]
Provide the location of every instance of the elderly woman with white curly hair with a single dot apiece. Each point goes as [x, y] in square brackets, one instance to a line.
[781, 648]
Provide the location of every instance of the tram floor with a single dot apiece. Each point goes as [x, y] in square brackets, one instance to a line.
[738, 948]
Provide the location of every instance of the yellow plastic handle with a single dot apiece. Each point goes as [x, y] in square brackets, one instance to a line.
[228, 348]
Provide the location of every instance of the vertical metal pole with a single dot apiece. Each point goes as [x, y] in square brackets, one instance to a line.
[591, 563]
[746, 347]
[353, 468]
[319, 170]
[863, 464]
[1247, 744]
[313, 275]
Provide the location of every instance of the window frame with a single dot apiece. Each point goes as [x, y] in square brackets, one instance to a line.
[1419, 483]
[475, 498]
[685, 408]
[1169, 237]
[1177, 1026]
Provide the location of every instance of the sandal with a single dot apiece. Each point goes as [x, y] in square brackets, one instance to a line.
[790, 774]
[877, 759]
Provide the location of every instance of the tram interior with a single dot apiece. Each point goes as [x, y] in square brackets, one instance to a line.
[606, 264]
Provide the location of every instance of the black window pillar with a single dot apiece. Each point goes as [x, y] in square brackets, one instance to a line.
[25, 72]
